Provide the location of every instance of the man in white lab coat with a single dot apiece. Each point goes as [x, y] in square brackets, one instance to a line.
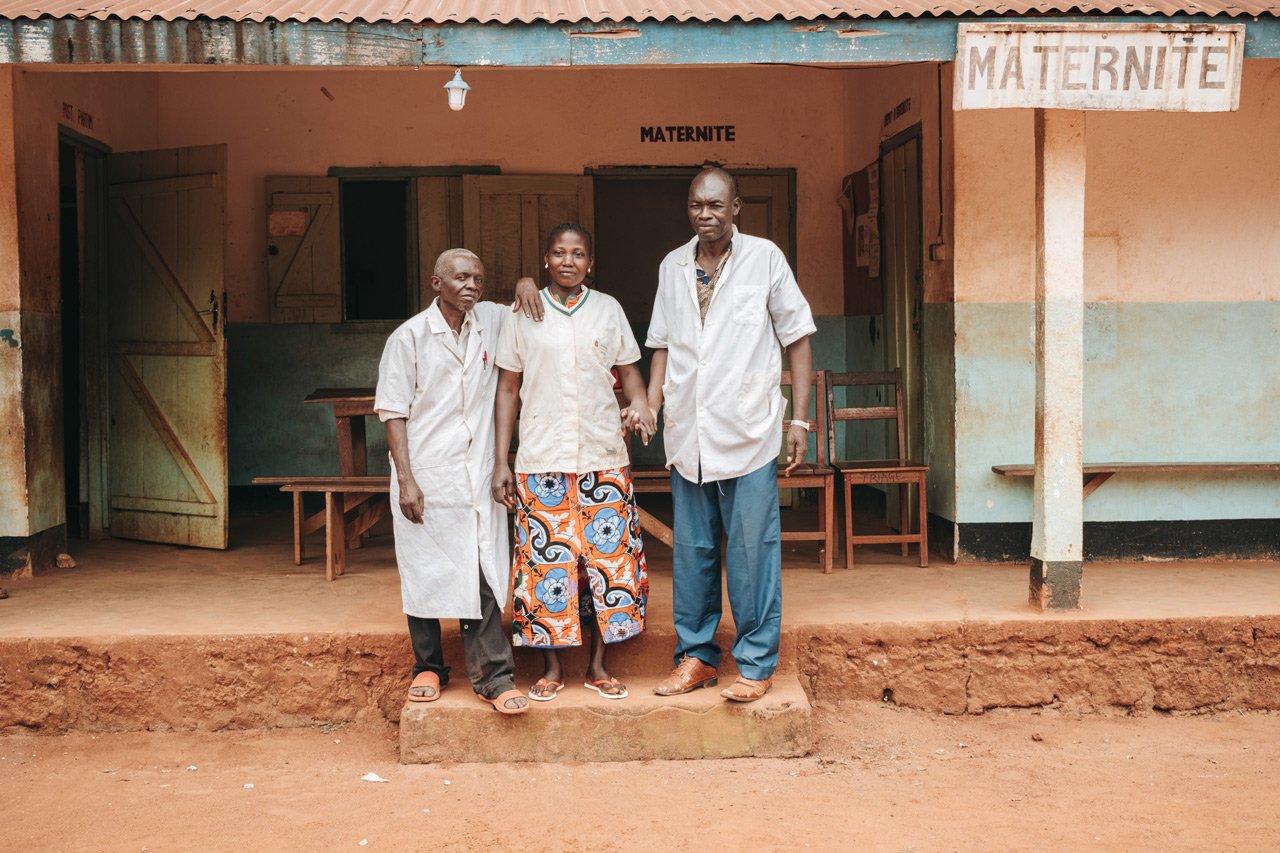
[436, 386]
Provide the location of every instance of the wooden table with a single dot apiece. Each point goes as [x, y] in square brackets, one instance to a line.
[350, 407]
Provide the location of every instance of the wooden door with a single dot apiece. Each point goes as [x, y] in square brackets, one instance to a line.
[902, 271]
[167, 438]
[766, 210]
[506, 219]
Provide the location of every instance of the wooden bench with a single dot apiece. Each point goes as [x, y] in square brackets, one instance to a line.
[342, 496]
[1095, 474]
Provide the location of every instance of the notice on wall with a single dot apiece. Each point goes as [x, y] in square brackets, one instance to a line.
[1162, 67]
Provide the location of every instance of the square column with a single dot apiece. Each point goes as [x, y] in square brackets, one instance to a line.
[1057, 539]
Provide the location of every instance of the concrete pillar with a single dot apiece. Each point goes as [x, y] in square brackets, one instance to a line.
[1057, 546]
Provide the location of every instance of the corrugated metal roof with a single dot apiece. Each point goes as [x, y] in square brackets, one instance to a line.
[577, 11]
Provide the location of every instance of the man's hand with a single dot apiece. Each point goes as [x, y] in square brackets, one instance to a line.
[503, 486]
[797, 445]
[639, 419]
[527, 299]
[411, 502]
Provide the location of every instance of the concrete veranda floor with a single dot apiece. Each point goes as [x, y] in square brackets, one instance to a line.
[123, 588]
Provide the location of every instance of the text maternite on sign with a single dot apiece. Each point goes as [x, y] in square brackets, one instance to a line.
[1163, 67]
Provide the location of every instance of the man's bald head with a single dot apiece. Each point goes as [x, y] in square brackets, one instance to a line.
[444, 263]
[718, 174]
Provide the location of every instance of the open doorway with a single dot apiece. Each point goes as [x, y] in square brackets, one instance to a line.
[80, 174]
[640, 216]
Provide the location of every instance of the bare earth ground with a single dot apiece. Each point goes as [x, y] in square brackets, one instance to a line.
[881, 778]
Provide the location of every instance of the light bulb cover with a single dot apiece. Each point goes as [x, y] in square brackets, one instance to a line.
[457, 89]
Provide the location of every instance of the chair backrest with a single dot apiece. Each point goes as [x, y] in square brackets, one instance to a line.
[818, 400]
[866, 413]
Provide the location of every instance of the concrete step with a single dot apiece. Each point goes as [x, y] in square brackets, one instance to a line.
[578, 725]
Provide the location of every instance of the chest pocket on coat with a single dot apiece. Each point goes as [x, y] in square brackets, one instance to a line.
[749, 305]
[603, 344]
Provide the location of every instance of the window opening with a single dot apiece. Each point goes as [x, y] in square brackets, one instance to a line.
[375, 250]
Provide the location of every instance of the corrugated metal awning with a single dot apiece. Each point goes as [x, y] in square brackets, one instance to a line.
[576, 11]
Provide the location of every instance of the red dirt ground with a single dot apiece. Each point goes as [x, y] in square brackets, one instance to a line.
[881, 778]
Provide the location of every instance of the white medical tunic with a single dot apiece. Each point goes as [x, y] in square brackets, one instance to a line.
[445, 386]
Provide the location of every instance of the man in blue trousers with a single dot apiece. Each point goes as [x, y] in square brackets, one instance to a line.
[727, 305]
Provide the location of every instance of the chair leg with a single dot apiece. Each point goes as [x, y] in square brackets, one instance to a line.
[848, 523]
[924, 525]
[829, 522]
[904, 514]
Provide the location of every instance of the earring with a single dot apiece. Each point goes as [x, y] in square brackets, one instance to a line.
[546, 266]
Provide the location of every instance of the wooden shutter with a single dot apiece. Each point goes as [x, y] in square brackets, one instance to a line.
[303, 250]
[506, 219]
[439, 205]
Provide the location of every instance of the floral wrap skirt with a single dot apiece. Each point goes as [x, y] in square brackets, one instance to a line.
[571, 522]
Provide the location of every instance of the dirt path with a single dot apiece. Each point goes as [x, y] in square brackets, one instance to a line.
[881, 779]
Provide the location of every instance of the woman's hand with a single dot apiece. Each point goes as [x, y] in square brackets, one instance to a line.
[527, 299]
[503, 486]
[640, 419]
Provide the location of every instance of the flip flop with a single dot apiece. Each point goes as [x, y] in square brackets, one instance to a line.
[499, 702]
[607, 682]
[425, 679]
[542, 682]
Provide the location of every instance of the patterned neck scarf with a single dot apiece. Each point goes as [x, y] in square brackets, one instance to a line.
[707, 281]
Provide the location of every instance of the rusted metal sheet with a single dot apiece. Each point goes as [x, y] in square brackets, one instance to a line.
[529, 11]
[1091, 66]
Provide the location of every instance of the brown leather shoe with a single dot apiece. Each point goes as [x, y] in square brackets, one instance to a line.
[746, 689]
[689, 675]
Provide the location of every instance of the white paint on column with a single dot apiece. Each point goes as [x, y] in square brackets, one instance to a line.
[1057, 522]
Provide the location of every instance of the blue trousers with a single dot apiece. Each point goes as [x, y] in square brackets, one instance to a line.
[744, 512]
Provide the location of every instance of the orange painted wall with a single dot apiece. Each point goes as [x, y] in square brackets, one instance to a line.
[543, 121]
[1165, 193]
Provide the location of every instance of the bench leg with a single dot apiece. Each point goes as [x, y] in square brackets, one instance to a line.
[924, 525]
[334, 535]
[298, 518]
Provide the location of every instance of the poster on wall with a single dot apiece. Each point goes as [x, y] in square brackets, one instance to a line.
[860, 211]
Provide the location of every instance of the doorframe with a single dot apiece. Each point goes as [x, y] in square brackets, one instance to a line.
[642, 172]
[94, 363]
[908, 136]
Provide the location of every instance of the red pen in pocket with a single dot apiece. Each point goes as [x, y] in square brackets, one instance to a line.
[484, 359]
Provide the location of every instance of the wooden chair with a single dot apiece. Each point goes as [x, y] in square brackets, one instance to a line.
[814, 475]
[900, 471]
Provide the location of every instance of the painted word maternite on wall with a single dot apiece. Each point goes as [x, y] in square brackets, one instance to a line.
[1166, 67]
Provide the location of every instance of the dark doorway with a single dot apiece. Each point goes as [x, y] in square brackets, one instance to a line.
[375, 249]
[80, 171]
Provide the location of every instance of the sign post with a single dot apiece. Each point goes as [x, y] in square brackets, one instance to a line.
[1061, 71]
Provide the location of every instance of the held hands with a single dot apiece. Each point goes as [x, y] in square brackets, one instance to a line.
[797, 444]
[639, 419]
[503, 486]
[527, 299]
[411, 502]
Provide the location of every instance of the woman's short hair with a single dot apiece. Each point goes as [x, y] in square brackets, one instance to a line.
[571, 228]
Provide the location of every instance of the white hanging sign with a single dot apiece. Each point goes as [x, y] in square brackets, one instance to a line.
[1165, 67]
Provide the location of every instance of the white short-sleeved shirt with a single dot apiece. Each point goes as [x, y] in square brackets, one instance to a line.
[722, 414]
[569, 414]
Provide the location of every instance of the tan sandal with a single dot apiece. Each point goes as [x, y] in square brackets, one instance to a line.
[424, 681]
[500, 701]
[746, 689]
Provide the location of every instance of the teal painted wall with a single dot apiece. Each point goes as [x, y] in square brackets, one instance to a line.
[271, 368]
[1179, 382]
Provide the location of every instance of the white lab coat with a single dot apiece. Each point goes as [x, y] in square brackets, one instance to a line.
[445, 388]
